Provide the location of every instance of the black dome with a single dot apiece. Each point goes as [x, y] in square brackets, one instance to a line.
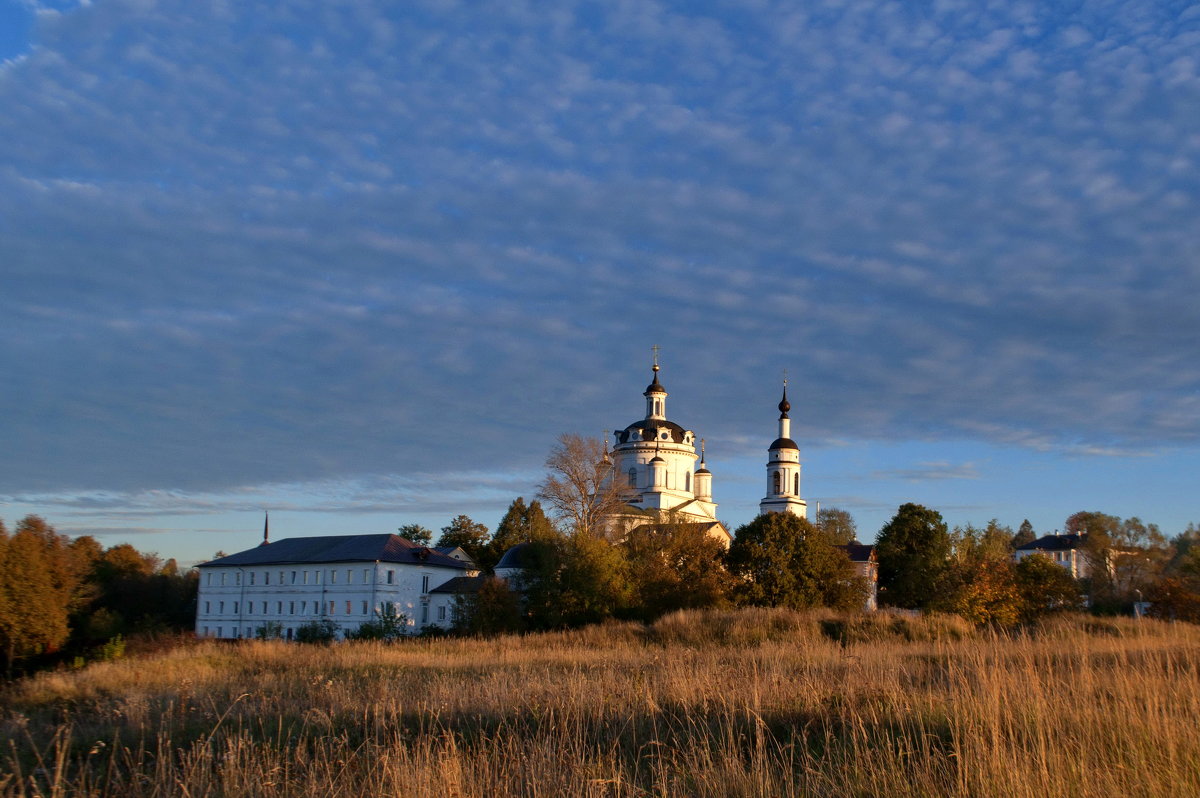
[783, 443]
[649, 428]
[519, 556]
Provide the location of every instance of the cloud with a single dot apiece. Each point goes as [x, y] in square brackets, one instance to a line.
[928, 472]
[263, 244]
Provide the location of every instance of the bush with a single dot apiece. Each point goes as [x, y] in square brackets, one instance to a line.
[388, 624]
[322, 631]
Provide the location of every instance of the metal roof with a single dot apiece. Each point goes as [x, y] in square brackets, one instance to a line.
[381, 547]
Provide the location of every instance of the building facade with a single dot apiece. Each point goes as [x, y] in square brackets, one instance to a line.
[275, 588]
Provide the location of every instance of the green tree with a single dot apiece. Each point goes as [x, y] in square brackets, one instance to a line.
[468, 535]
[522, 523]
[495, 609]
[416, 533]
[1025, 534]
[389, 624]
[913, 550]
[593, 582]
[837, 524]
[979, 583]
[1045, 587]
[782, 560]
[675, 565]
[319, 631]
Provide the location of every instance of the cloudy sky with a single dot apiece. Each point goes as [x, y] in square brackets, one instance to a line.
[360, 263]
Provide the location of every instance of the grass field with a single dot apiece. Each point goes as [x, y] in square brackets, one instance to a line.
[753, 702]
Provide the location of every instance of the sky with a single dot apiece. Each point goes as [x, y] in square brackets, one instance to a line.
[361, 263]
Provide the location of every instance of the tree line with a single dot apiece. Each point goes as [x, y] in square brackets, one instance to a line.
[72, 598]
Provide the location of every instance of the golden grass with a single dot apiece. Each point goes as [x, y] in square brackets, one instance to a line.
[754, 702]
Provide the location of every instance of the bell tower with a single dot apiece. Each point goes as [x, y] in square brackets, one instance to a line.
[783, 468]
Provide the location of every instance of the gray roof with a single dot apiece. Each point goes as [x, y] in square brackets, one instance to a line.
[381, 547]
[461, 584]
[1054, 543]
[858, 552]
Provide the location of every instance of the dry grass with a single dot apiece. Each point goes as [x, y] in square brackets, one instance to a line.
[760, 702]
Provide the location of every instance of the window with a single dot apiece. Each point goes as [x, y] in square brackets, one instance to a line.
[207, 581]
[207, 608]
[796, 489]
[204, 631]
[293, 577]
[250, 606]
[291, 608]
[237, 578]
[633, 477]
[235, 608]
[266, 577]
[687, 480]
[222, 577]
[247, 631]
[303, 607]
[279, 608]
[220, 631]
[424, 614]
[221, 608]
[252, 575]
[348, 610]
[442, 613]
[776, 483]
[332, 577]
[424, 583]
[332, 608]
[391, 576]
[364, 612]
[366, 576]
[349, 577]
[306, 577]
[281, 577]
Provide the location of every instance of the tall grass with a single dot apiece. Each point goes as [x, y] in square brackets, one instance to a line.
[768, 703]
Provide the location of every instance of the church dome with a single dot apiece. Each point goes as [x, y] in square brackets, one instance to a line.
[782, 443]
[519, 556]
[651, 429]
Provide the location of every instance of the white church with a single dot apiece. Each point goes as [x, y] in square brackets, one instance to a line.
[349, 579]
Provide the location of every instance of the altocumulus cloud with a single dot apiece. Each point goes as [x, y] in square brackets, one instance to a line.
[276, 242]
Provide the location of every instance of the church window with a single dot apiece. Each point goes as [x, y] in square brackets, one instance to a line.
[633, 477]
[796, 482]
[687, 480]
[777, 484]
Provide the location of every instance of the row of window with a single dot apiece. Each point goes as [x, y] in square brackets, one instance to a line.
[777, 484]
[687, 479]
[299, 577]
[264, 607]
[219, 631]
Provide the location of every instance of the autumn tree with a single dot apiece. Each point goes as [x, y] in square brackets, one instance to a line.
[416, 533]
[782, 560]
[38, 587]
[466, 534]
[837, 524]
[675, 565]
[578, 489]
[1045, 587]
[913, 550]
[978, 583]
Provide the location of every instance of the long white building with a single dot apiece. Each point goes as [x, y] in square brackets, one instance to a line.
[345, 578]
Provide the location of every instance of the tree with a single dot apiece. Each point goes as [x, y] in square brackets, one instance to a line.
[675, 565]
[521, 524]
[1045, 587]
[979, 584]
[913, 549]
[837, 524]
[495, 609]
[578, 488]
[38, 588]
[1025, 534]
[782, 560]
[389, 624]
[319, 631]
[416, 533]
[466, 534]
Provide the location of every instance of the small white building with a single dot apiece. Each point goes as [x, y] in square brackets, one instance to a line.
[347, 579]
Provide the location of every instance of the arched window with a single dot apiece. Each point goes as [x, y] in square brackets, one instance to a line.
[796, 489]
[777, 484]
[687, 480]
[633, 477]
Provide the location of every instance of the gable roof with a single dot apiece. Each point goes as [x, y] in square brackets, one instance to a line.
[858, 552]
[461, 584]
[381, 547]
[1054, 543]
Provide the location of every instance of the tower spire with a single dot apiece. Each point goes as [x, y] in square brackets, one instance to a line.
[266, 528]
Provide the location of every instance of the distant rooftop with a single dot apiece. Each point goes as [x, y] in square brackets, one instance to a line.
[382, 547]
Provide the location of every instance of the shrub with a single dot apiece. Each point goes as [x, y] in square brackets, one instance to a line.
[322, 631]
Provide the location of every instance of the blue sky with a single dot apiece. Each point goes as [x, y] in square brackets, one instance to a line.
[361, 263]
